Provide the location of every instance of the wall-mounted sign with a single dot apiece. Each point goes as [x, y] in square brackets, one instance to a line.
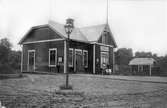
[60, 59]
[104, 48]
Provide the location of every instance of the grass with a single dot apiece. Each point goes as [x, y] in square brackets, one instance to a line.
[43, 90]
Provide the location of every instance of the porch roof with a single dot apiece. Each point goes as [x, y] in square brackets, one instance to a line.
[142, 61]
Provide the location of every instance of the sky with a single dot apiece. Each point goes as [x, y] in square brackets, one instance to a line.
[137, 24]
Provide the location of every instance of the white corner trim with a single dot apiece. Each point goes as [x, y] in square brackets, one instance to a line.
[53, 49]
[41, 41]
[94, 58]
[113, 61]
[21, 58]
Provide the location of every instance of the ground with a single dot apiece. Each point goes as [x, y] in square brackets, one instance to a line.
[89, 91]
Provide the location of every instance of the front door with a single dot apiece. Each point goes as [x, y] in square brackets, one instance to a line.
[78, 61]
[31, 60]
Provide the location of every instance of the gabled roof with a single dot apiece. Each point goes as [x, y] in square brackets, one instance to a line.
[76, 34]
[85, 34]
[142, 61]
[32, 28]
[92, 33]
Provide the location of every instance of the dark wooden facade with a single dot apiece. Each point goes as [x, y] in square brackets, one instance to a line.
[40, 39]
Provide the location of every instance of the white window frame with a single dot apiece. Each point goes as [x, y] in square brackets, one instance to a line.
[72, 57]
[53, 49]
[86, 66]
[104, 52]
[28, 59]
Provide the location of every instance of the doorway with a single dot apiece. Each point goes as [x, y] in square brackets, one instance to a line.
[78, 61]
[31, 60]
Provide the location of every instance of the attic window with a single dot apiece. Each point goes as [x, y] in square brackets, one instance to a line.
[104, 37]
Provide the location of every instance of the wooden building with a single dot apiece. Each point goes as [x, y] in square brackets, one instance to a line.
[91, 48]
[142, 66]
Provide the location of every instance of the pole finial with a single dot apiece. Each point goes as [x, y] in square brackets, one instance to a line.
[107, 14]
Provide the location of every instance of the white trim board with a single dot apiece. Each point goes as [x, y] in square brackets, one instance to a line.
[21, 58]
[41, 41]
[94, 49]
[102, 44]
[113, 61]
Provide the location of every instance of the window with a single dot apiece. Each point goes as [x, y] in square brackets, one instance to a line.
[104, 59]
[53, 57]
[85, 58]
[70, 60]
[104, 37]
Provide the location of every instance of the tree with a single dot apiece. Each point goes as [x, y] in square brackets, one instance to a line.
[5, 50]
[123, 56]
[5, 42]
[162, 63]
[143, 54]
[15, 59]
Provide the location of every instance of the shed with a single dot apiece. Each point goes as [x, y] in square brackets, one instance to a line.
[142, 65]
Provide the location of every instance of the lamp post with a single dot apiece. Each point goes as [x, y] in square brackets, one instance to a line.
[68, 29]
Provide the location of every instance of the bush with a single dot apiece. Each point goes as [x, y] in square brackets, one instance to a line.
[123, 70]
[15, 59]
[6, 69]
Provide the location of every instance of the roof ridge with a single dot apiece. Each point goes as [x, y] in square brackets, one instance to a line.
[91, 26]
[77, 27]
[39, 26]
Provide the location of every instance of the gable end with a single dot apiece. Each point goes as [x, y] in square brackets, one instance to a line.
[107, 37]
[40, 33]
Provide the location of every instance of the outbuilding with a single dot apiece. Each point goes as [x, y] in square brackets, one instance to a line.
[142, 66]
[90, 49]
